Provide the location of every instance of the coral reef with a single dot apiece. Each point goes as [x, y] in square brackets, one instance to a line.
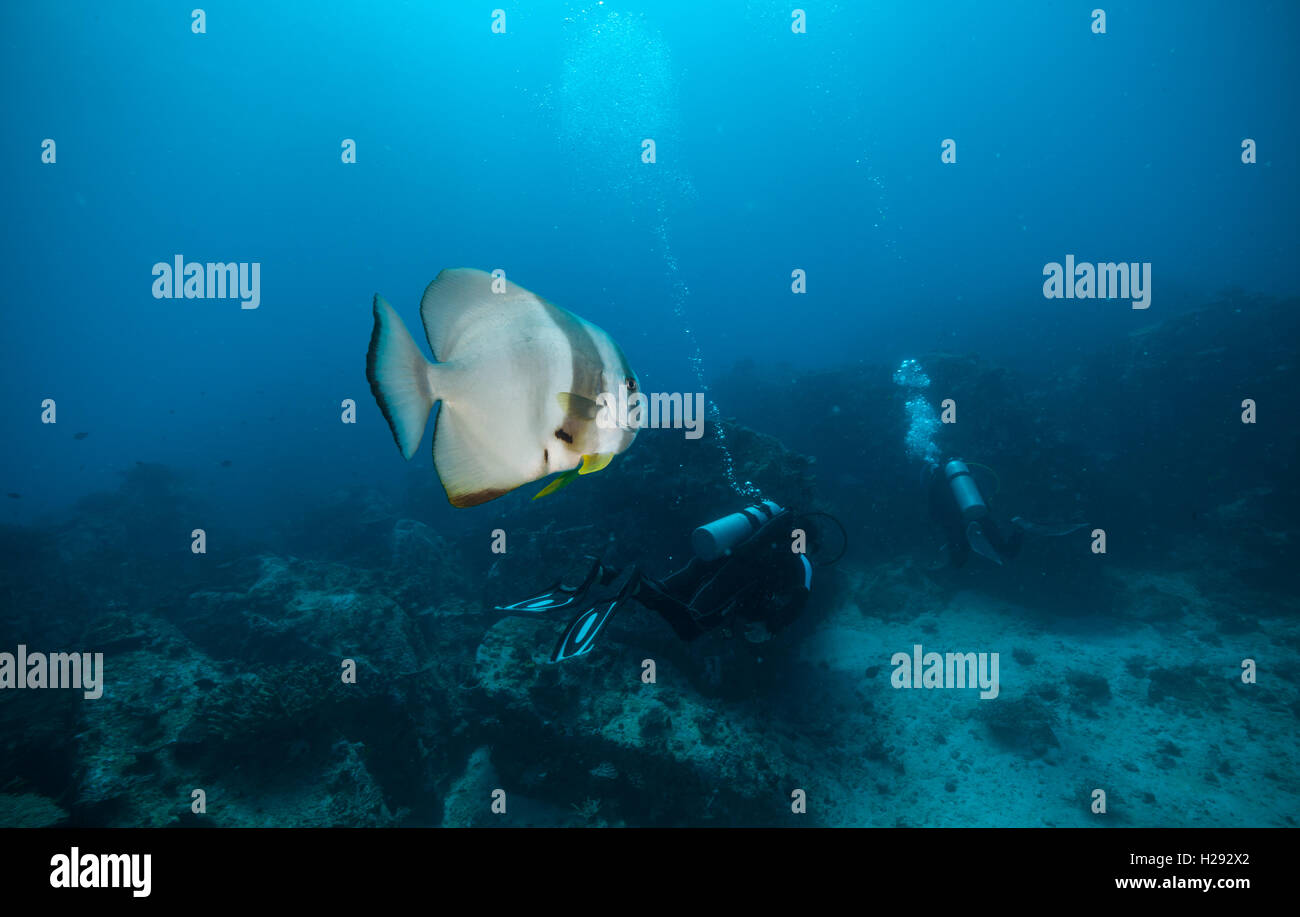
[345, 668]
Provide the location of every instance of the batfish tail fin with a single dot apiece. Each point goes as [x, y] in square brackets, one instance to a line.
[400, 378]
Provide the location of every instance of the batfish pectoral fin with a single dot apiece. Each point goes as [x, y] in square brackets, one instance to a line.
[593, 463]
[558, 483]
[577, 406]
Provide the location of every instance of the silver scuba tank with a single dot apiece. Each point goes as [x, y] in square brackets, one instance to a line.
[965, 491]
[718, 537]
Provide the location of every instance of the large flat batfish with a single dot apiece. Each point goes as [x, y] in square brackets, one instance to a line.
[518, 379]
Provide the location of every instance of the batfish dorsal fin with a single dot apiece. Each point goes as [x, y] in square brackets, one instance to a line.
[456, 306]
[460, 311]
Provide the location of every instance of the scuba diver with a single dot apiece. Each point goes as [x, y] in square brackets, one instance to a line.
[958, 505]
[745, 576]
[956, 502]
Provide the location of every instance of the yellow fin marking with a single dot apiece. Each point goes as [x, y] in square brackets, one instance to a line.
[593, 463]
[557, 484]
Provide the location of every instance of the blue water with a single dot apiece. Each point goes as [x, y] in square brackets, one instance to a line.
[818, 151]
[776, 152]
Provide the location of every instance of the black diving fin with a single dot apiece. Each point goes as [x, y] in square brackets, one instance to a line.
[557, 596]
[580, 636]
[979, 543]
[1047, 531]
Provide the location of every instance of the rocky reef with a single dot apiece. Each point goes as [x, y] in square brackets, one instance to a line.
[346, 669]
[225, 674]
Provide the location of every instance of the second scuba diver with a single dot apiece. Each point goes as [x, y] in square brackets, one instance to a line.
[959, 507]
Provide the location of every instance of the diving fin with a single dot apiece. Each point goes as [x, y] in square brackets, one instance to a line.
[979, 543]
[558, 596]
[580, 636]
[1047, 531]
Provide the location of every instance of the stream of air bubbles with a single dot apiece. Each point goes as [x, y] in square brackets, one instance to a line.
[619, 88]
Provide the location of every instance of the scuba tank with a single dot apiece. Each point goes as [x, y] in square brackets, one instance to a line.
[965, 491]
[718, 537]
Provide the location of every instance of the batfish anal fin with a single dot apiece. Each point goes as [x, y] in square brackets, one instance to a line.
[472, 469]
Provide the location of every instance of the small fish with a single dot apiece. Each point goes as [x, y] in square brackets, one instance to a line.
[14, 496]
[80, 435]
[519, 380]
[227, 463]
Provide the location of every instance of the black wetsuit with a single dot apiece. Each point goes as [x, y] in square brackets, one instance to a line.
[760, 581]
[945, 511]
